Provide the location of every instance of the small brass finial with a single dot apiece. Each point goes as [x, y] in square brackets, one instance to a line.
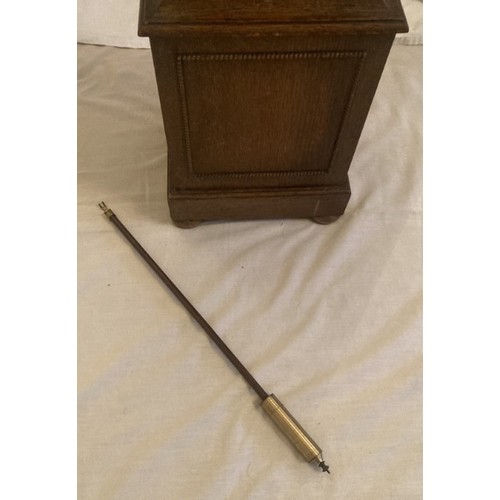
[107, 211]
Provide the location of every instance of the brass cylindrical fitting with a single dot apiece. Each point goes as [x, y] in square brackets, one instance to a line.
[293, 430]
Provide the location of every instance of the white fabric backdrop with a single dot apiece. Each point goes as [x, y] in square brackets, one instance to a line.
[327, 317]
[115, 23]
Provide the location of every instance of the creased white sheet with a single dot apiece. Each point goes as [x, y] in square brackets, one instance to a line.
[326, 317]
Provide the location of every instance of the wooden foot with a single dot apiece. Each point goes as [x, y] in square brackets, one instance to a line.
[187, 224]
[325, 219]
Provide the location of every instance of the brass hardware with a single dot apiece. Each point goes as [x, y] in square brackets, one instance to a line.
[107, 211]
[293, 431]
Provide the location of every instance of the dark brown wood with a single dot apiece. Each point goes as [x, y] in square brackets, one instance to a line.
[175, 16]
[263, 108]
[327, 219]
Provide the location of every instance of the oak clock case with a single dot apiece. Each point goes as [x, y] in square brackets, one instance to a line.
[263, 108]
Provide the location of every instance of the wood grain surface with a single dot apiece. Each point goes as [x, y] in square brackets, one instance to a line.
[262, 124]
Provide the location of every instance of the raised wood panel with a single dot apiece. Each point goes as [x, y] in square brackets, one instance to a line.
[271, 114]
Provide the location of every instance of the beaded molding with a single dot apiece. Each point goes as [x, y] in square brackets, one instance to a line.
[261, 56]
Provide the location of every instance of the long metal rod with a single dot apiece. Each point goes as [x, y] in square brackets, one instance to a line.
[278, 413]
[185, 302]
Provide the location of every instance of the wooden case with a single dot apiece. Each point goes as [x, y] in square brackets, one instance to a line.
[263, 102]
